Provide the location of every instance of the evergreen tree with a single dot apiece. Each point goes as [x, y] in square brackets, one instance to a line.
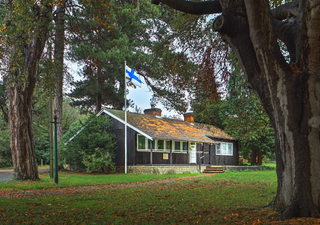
[92, 148]
[105, 34]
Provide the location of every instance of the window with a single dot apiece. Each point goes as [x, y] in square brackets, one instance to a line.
[141, 142]
[218, 149]
[224, 149]
[185, 147]
[160, 144]
[177, 145]
[180, 147]
[168, 145]
[229, 149]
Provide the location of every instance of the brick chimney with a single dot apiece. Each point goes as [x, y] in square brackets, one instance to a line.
[189, 117]
[153, 111]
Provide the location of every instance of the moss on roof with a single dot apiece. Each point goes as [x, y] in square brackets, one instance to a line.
[170, 129]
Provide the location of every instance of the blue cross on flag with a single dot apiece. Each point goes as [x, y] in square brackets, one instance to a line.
[133, 76]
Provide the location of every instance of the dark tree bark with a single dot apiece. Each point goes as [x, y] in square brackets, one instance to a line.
[253, 156]
[259, 161]
[58, 60]
[20, 91]
[290, 93]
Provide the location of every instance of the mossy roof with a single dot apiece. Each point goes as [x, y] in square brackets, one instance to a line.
[170, 129]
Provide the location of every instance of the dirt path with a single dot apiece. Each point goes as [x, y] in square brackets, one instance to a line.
[74, 190]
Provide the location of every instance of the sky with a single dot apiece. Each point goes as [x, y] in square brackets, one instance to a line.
[140, 96]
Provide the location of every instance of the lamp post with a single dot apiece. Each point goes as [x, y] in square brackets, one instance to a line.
[55, 149]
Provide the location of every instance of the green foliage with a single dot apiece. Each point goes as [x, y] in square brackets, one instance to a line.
[92, 148]
[3, 102]
[240, 113]
[5, 151]
[247, 120]
[209, 111]
[41, 123]
[100, 160]
[25, 22]
[105, 34]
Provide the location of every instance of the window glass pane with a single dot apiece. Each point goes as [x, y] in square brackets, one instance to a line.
[223, 148]
[177, 145]
[141, 142]
[149, 144]
[168, 145]
[185, 146]
[160, 144]
[229, 149]
[218, 150]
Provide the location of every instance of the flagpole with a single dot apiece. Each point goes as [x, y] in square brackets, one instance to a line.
[125, 116]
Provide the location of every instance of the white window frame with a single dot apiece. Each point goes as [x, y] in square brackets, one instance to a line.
[181, 147]
[155, 149]
[227, 152]
[146, 144]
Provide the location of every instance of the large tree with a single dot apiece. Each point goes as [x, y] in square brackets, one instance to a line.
[24, 36]
[290, 92]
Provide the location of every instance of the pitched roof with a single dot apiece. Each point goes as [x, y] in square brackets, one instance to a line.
[213, 132]
[164, 128]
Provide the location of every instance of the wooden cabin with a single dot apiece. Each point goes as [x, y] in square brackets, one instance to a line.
[154, 140]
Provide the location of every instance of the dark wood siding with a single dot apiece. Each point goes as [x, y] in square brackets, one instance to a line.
[225, 159]
[118, 128]
[210, 157]
[205, 150]
[157, 158]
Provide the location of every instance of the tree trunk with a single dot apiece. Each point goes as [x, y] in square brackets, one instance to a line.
[259, 162]
[253, 156]
[290, 93]
[20, 82]
[21, 131]
[98, 103]
[58, 60]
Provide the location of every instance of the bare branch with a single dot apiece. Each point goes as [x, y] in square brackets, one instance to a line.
[286, 10]
[196, 8]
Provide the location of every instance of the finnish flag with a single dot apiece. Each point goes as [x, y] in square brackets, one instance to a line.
[133, 76]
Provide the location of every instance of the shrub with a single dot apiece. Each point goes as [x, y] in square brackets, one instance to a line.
[92, 149]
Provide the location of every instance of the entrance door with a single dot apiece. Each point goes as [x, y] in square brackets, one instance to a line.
[193, 152]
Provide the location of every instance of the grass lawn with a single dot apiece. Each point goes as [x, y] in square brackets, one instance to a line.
[229, 198]
[40, 167]
[69, 179]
